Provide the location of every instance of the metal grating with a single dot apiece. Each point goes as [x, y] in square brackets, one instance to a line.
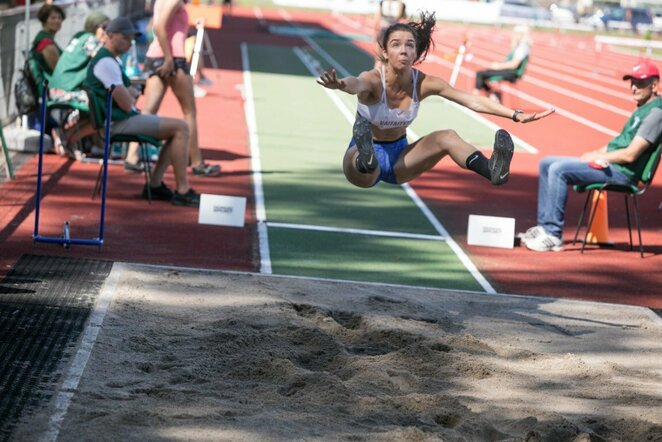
[44, 304]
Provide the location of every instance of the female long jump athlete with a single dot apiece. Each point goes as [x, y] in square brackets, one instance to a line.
[389, 96]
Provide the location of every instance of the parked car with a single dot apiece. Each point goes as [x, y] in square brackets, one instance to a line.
[561, 15]
[657, 21]
[621, 18]
[524, 9]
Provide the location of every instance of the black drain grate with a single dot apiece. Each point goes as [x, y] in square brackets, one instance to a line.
[44, 303]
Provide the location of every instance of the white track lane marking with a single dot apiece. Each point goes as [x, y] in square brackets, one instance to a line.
[88, 339]
[365, 232]
[256, 165]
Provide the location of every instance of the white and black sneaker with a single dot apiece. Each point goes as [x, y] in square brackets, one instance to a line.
[362, 131]
[545, 242]
[499, 163]
[531, 233]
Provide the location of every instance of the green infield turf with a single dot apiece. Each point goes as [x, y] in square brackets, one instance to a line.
[319, 225]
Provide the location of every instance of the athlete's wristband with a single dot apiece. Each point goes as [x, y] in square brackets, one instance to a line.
[516, 113]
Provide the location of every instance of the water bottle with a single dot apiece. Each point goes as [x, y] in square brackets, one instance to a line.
[131, 66]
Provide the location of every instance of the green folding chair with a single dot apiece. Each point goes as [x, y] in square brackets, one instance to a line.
[513, 81]
[629, 191]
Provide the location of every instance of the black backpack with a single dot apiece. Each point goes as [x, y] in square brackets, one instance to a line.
[25, 90]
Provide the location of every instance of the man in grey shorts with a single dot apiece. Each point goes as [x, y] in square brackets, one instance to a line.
[622, 161]
[104, 71]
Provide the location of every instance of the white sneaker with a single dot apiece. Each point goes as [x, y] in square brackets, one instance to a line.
[531, 233]
[545, 243]
[198, 92]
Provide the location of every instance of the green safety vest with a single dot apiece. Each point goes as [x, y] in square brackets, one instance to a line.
[635, 169]
[40, 69]
[71, 68]
[40, 58]
[100, 92]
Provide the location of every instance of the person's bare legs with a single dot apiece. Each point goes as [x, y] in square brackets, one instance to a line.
[182, 87]
[419, 157]
[423, 154]
[353, 175]
[155, 90]
[175, 151]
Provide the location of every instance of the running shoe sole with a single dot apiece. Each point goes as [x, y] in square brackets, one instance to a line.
[499, 162]
[362, 132]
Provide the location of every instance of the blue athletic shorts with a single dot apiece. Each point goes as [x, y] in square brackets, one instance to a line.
[387, 153]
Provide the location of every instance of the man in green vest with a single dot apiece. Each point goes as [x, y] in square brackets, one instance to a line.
[622, 161]
[71, 69]
[105, 71]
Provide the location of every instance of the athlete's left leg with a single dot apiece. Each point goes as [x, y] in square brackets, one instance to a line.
[424, 154]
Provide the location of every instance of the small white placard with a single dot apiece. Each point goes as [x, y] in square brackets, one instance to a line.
[491, 231]
[222, 210]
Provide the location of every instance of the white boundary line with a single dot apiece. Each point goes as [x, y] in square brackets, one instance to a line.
[365, 232]
[88, 339]
[471, 268]
[256, 166]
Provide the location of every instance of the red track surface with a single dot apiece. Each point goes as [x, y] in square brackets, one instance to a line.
[164, 234]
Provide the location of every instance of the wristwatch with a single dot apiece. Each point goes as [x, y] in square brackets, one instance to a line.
[516, 113]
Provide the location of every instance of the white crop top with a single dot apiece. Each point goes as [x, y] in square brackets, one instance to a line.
[382, 116]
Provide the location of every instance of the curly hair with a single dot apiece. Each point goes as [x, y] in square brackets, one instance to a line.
[45, 12]
[421, 30]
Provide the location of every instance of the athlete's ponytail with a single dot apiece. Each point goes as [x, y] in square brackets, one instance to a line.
[422, 31]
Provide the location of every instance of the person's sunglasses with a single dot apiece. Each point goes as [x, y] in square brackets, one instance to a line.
[642, 84]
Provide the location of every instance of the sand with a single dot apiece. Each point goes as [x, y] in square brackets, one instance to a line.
[213, 356]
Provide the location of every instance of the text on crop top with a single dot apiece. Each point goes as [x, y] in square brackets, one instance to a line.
[380, 115]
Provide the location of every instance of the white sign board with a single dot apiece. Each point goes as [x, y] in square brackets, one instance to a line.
[222, 210]
[491, 231]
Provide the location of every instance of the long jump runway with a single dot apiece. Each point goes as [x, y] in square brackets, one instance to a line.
[180, 354]
[169, 353]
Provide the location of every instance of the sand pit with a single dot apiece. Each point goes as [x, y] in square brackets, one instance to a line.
[187, 355]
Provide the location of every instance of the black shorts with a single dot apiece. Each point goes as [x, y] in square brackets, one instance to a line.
[152, 64]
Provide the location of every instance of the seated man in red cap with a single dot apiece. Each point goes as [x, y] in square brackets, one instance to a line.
[621, 161]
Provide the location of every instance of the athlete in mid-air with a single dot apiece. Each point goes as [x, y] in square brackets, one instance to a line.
[388, 100]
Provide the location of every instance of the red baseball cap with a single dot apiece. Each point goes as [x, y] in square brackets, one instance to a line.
[642, 70]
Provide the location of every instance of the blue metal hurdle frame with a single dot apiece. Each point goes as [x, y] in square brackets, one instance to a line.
[66, 240]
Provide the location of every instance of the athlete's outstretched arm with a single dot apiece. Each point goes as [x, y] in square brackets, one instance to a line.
[436, 86]
[352, 85]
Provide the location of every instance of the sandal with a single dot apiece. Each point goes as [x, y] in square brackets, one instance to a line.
[204, 169]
